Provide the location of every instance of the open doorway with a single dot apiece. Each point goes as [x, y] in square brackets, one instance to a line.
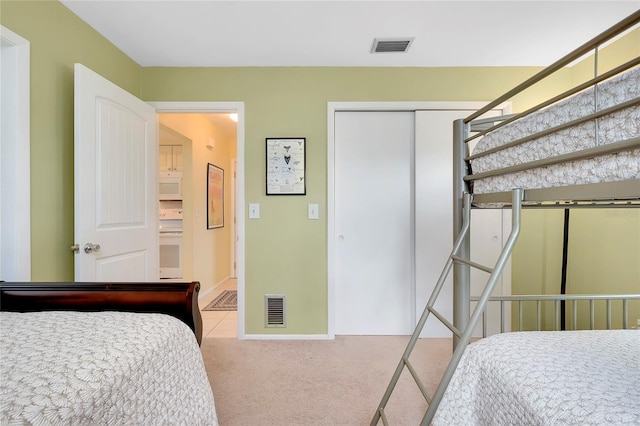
[215, 140]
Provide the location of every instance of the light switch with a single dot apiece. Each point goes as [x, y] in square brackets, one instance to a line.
[254, 211]
[313, 211]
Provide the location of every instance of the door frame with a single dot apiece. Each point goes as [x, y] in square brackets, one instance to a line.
[15, 220]
[234, 216]
[224, 107]
[332, 108]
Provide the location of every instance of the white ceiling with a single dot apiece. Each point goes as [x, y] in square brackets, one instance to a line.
[212, 33]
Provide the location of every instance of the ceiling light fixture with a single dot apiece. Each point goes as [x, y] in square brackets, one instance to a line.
[233, 116]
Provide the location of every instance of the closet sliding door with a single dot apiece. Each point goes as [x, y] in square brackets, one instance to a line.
[434, 225]
[392, 233]
[374, 223]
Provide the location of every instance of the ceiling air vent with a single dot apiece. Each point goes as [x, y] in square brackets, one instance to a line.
[391, 45]
[274, 310]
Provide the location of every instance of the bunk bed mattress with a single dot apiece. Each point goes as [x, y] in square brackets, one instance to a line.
[546, 378]
[615, 127]
[101, 368]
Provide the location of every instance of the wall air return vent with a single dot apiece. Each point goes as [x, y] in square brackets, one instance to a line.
[391, 45]
[275, 308]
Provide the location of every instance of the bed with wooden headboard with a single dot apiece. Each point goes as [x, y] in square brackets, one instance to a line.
[102, 353]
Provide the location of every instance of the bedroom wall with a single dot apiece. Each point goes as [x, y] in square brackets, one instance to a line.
[58, 40]
[622, 50]
[605, 247]
[285, 252]
[603, 257]
[604, 244]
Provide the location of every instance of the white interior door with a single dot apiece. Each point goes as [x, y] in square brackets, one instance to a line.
[116, 152]
[374, 279]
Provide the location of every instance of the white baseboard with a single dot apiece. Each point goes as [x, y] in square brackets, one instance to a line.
[285, 337]
[212, 289]
[205, 293]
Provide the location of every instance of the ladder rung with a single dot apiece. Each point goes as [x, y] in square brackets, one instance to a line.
[417, 379]
[445, 322]
[473, 264]
[464, 336]
[383, 417]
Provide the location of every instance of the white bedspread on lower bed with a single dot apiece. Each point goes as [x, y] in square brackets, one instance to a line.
[616, 127]
[546, 378]
[99, 368]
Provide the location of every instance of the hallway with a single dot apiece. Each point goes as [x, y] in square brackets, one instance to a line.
[219, 323]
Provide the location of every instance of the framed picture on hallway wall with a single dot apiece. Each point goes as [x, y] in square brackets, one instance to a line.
[286, 166]
[215, 197]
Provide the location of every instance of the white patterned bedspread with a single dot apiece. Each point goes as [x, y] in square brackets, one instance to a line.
[99, 368]
[546, 378]
[615, 127]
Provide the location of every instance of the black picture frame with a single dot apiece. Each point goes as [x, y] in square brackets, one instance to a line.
[286, 166]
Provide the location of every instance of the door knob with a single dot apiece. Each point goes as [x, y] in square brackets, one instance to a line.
[88, 248]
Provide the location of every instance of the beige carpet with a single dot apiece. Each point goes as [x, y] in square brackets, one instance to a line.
[312, 382]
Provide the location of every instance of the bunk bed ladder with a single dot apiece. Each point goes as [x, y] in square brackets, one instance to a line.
[464, 335]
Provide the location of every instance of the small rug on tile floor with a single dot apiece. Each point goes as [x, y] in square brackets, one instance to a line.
[225, 301]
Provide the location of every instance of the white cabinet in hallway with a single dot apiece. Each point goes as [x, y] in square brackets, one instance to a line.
[170, 158]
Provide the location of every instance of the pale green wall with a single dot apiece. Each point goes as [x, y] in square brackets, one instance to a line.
[58, 39]
[624, 49]
[604, 244]
[285, 253]
[603, 257]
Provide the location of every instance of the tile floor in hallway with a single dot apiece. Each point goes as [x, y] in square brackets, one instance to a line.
[219, 323]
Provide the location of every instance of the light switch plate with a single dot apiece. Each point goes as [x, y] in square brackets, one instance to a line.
[313, 211]
[254, 211]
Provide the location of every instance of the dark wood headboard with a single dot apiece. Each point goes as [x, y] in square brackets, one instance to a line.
[178, 299]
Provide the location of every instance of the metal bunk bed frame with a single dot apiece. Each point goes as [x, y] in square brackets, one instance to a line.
[610, 194]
